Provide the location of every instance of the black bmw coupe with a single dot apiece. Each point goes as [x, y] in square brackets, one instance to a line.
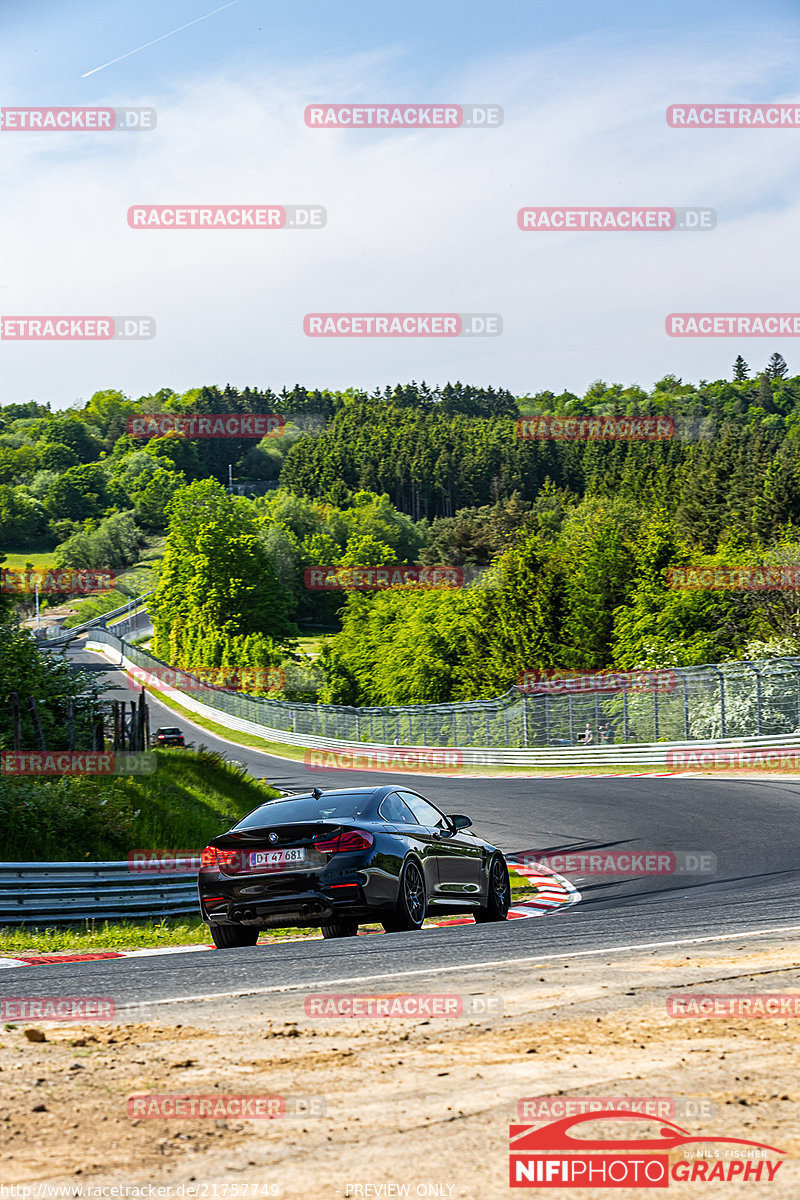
[345, 857]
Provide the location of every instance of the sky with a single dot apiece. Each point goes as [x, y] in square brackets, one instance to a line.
[417, 221]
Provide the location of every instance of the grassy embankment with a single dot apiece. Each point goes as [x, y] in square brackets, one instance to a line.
[191, 798]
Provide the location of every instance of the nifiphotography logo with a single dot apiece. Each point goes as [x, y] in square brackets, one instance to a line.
[554, 1156]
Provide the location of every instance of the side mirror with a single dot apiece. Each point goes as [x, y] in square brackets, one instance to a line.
[459, 821]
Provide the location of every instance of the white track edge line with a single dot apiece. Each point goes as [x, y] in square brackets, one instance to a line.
[501, 962]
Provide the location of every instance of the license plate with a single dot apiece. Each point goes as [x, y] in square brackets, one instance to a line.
[274, 859]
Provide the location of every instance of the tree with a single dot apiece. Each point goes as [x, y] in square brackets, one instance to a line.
[217, 581]
[777, 367]
[55, 456]
[765, 398]
[151, 502]
[70, 430]
[114, 543]
[81, 493]
[22, 518]
[740, 368]
[108, 411]
[51, 682]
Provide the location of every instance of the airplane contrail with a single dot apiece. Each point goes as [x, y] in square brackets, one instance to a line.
[111, 62]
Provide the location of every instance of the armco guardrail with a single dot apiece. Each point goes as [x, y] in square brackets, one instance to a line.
[641, 754]
[61, 636]
[38, 894]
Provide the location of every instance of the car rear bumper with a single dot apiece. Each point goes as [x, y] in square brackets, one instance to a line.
[274, 903]
[304, 908]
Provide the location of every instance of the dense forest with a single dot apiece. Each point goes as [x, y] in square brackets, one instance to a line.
[566, 542]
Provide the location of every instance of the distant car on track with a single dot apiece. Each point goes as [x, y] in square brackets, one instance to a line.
[349, 856]
[168, 736]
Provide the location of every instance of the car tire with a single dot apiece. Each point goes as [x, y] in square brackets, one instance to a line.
[339, 929]
[227, 936]
[499, 897]
[409, 912]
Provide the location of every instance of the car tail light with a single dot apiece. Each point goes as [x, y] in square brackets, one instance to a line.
[212, 857]
[351, 839]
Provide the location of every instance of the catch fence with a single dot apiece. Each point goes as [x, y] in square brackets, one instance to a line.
[734, 700]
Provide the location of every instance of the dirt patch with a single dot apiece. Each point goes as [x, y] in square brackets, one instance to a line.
[419, 1104]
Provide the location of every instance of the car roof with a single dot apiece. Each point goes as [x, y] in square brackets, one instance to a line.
[377, 793]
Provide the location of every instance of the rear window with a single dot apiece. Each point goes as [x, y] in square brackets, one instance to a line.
[168, 731]
[306, 808]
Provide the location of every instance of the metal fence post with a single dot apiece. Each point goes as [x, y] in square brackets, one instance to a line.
[655, 712]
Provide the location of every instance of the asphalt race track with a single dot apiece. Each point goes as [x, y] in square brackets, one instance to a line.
[752, 826]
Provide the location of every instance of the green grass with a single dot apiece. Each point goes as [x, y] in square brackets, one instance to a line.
[123, 935]
[38, 560]
[193, 796]
[142, 577]
[95, 606]
[311, 644]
